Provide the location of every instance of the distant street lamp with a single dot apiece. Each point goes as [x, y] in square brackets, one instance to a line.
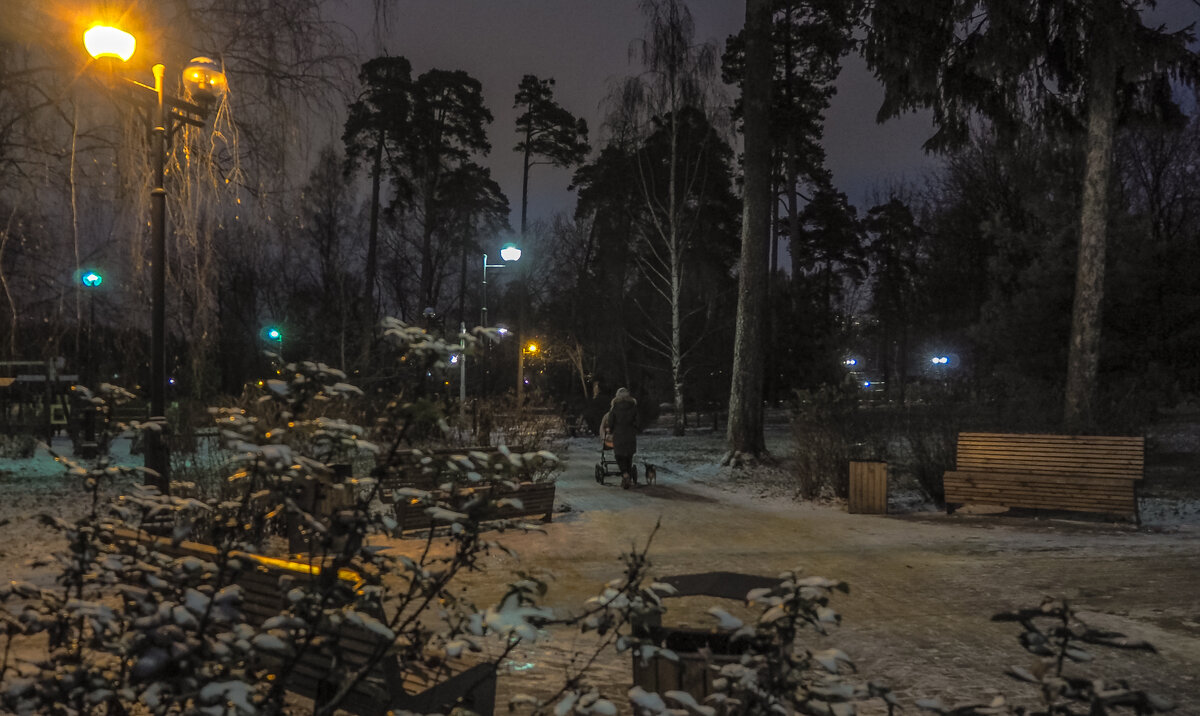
[274, 334]
[531, 349]
[91, 280]
[205, 83]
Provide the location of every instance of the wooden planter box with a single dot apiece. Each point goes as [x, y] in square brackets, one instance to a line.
[537, 500]
[701, 655]
[701, 652]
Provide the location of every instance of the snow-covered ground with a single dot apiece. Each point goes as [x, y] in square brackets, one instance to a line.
[923, 583]
[40, 484]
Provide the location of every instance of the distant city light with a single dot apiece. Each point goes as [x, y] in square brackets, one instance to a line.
[171, 381]
[454, 359]
[867, 384]
[502, 331]
[939, 360]
[851, 361]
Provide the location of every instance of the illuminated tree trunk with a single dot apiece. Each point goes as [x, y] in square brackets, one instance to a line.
[1084, 356]
[745, 429]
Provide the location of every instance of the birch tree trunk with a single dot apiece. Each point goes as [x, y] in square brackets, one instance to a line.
[675, 249]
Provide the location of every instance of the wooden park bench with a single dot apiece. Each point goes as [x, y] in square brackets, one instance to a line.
[1081, 473]
[422, 469]
[416, 686]
[529, 499]
[425, 470]
[700, 652]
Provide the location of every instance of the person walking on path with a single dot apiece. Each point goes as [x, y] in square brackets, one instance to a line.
[621, 421]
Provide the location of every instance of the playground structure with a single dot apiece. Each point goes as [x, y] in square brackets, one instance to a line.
[37, 400]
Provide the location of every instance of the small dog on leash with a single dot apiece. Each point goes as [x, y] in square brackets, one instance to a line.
[651, 474]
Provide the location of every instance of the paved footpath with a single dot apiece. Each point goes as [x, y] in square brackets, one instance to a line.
[922, 587]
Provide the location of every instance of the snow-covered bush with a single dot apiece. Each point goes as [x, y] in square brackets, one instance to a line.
[823, 425]
[17, 446]
[132, 628]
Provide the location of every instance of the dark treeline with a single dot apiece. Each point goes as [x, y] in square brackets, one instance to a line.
[976, 262]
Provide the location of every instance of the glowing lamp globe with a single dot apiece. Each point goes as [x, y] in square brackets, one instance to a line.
[204, 79]
[510, 252]
[105, 41]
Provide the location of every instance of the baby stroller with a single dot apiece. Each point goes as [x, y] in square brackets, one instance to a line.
[608, 464]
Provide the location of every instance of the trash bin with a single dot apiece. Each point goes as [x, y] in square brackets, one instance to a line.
[868, 488]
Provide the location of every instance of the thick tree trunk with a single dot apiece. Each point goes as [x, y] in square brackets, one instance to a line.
[525, 183]
[427, 297]
[745, 430]
[1084, 356]
[371, 268]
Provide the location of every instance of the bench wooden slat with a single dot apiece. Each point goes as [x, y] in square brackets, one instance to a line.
[1080, 482]
[1064, 497]
[1030, 438]
[1074, 456]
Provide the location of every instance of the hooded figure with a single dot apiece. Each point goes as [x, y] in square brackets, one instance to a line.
[622, 421]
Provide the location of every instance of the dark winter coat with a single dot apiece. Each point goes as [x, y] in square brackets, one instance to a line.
[622, 421]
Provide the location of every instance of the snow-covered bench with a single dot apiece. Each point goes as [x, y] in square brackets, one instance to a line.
[422, 469]
[388, 681]
[427, 471]
[487, 503]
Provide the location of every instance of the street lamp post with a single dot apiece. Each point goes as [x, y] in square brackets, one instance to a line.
[91, 280]
[275, 335]
[462, 370]
[510, 253]
[205, 82]
[531, 348]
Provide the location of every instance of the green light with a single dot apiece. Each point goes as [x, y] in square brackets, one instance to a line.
[92, 279]
[274, 334]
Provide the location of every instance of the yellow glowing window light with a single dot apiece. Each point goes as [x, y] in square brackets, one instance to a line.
[105, 41]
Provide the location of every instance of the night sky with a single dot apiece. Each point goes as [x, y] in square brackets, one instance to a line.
[584, 45]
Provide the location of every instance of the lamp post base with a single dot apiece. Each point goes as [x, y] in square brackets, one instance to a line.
[158, 458]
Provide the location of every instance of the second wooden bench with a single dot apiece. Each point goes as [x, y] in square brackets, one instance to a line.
[1082, 473]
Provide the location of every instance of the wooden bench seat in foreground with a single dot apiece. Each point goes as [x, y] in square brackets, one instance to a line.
[1080, 473]
[389, 685]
